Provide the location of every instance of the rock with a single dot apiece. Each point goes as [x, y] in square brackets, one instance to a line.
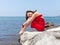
[11, 44]
[41, 38]
[50, 25]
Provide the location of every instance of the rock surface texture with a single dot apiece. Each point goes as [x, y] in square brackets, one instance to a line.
[48, 37]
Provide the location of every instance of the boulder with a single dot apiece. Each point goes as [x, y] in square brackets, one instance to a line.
[48, 37]
[50, 25]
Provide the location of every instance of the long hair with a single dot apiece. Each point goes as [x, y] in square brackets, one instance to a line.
[28, 12]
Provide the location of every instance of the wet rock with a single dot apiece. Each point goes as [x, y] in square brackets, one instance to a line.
[11, 44]
[50, 25]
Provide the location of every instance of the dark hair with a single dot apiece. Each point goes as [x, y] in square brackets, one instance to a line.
[28, 12]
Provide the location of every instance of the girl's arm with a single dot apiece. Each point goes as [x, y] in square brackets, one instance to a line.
[31, 18]
[23, 28]
[25, 25]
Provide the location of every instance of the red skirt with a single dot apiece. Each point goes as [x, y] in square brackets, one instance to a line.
[38, 23]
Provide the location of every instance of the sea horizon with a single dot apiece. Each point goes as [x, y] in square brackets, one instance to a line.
[10, 27]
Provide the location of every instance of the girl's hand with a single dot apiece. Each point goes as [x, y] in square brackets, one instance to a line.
[21, 32]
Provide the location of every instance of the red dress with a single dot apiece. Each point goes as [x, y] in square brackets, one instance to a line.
[38, 23]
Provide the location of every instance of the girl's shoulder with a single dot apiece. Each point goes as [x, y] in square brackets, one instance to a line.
[38, 14]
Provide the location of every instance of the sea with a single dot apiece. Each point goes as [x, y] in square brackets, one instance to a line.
[10, 27]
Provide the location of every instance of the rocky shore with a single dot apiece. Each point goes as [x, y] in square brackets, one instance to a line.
[51, 36]
[50, 25]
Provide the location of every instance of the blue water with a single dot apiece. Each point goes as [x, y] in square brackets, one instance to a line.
[55, 20]
[10, 26]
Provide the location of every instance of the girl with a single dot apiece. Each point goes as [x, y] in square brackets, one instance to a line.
[35, 19]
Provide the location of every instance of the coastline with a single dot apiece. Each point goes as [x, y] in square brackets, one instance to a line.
[48, 37]
[13, 27]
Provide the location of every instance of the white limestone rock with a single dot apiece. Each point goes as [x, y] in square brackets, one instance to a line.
[41, 38]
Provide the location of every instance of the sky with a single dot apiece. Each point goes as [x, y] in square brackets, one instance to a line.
[19, 7]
